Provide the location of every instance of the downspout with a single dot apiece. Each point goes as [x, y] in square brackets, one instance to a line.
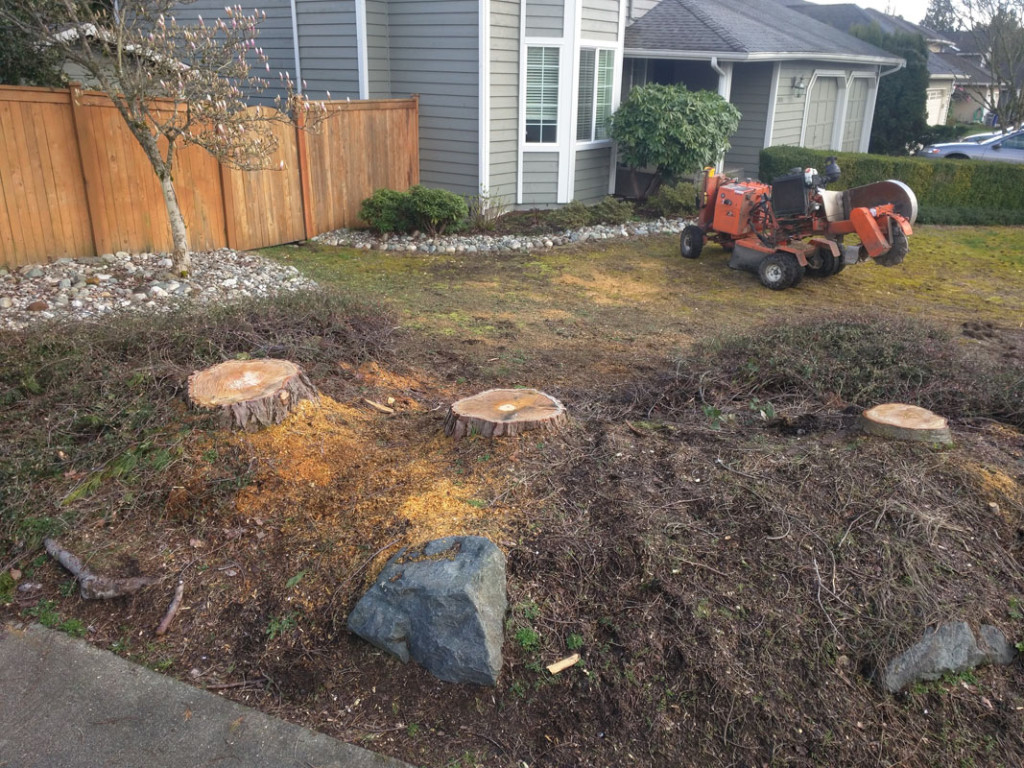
[295, 47]
[725, 91]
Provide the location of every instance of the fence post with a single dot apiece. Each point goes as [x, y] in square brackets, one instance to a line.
[227, 196]
[414, 154]
[75, 93]
[305, 182]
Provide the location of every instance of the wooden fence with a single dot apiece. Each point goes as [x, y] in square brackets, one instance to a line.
[74, 182]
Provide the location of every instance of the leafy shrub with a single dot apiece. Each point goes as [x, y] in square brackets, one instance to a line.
[571, 216]
[943, 187]
[611, 211]
[386, 211]
[677, 130]
[673, 200]
[435, 210]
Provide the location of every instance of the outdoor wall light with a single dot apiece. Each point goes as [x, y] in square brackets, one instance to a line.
[799, 86]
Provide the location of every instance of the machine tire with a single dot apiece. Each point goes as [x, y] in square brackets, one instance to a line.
[691, 242]
[828, 264]
[779, 271]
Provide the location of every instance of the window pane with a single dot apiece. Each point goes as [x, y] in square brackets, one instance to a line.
[585, 97]
[605, 88]
[541, 94]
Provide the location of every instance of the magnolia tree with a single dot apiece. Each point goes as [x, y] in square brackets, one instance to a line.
[174, 83]
[675, 130]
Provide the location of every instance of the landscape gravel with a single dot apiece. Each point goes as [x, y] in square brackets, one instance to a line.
[92, 287]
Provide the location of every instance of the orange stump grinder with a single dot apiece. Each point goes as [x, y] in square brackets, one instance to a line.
[795, 226]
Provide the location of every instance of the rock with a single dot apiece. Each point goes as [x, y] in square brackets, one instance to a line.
[6, 302]
[38, 306]
[950, 647]
[108, 258]
[441, 604]
[34, 273]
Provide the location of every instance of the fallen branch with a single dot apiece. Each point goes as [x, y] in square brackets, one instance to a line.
[564, 664]
[91, 586]
[172, 611]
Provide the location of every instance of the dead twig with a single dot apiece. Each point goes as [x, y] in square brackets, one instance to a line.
[172, 610]
[91, 586]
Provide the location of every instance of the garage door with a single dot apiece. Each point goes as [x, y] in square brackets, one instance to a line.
[821, 113]
[856, 107]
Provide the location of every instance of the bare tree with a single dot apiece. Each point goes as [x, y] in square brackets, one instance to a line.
[174, 83]
[995, 28]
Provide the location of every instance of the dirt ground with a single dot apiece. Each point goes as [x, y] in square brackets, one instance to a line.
[729, 555]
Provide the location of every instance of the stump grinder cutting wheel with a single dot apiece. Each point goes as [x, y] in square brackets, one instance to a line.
[794, 226]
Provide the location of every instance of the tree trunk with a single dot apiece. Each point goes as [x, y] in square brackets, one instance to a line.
[182, 260]
[503, 412]
[897, 421]
[251, 393]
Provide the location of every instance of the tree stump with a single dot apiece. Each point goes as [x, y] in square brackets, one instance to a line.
[897, 421]
[503, 412]
[251, 393]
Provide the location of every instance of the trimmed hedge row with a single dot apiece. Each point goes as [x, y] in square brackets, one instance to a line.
[948, 191]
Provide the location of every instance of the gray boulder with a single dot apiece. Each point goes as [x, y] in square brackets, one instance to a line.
[950, 647]
[441, 604]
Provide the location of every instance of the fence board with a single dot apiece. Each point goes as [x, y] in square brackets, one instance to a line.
[74, 181]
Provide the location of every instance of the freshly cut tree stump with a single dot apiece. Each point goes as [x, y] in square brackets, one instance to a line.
[906, 422]
[251, 393]
[503, 412]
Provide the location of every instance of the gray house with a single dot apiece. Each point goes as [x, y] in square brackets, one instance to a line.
[515, 95]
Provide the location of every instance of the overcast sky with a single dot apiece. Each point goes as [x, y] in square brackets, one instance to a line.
[911, 10]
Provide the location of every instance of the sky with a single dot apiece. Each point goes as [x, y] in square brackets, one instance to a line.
[911, 10]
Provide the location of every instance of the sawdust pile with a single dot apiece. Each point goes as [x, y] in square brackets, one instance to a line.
[340, 483]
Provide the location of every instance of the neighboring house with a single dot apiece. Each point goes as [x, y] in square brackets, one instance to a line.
[515, 95]
[973, 49]
[796, 81]
[947, 73]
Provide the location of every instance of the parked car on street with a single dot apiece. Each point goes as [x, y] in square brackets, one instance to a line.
[1003, 147]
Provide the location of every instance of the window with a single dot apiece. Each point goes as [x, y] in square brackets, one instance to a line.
[541, 95]
[594, 100]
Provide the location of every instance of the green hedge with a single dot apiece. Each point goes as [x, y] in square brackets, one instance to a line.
[948, 191]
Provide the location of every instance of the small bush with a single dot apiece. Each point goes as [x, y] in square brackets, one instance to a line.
[571, 216]
[386, 211]
[611, 211]
[435, 210]
[673, 200]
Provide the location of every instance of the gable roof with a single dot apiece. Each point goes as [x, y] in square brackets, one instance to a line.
[763, 30]
[845, 15]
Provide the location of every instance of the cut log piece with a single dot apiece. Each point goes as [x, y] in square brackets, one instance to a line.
[897, 421]
[503, 412]
[251, 393]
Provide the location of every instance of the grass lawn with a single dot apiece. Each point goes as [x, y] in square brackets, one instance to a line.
[729, 555]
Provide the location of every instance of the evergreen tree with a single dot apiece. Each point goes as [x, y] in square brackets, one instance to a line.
[942, 17]
[901, 107]
[23, 60]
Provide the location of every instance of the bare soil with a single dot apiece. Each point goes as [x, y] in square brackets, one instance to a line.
[731, 558]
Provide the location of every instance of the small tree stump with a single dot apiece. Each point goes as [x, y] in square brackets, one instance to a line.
[503, 412]
[251, 393]
[897, 421]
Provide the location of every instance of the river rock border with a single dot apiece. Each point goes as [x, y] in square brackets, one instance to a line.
[91, 287]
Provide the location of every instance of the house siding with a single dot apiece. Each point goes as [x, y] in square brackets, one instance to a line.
[540, 178]
[592, 170]
[275, 36]
[504, 100]
[377, 49]
[600, 20]
[327, 46]
[638, 8]
[789, 106]
[751, 94]
[544, 18]
[434, 52]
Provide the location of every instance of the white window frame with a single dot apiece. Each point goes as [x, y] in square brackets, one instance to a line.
[547, 146]
[593, 141]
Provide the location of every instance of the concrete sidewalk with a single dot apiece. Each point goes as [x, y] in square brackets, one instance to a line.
[65, 704]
